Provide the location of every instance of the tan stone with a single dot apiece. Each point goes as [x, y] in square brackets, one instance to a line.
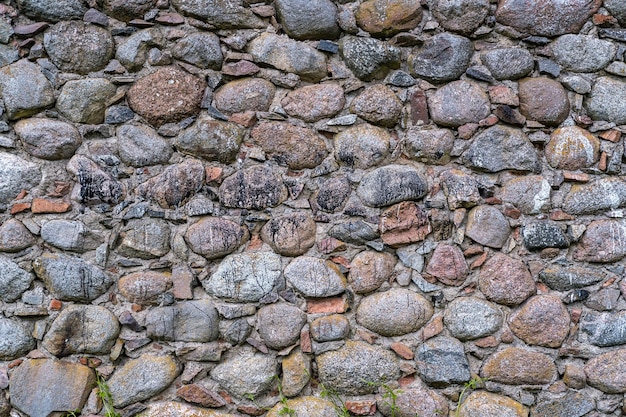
[176, 409]
[369, 270]
[572, 147]
[487, 404]
[517, 366]
[388, 17]
[296, 373]
[144, 287]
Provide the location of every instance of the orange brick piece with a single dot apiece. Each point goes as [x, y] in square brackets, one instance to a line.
[43, 205]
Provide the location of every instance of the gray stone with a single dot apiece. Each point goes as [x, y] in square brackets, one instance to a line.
[391, 184]
[16, 174]
[458, 103]
[133, 53]
[47, 138]
[13, 280]
[255, 188]
[601, 195]
[617, 9]
[74, 46]
[394, 313]
[247, 94]
[356, 232]
[362, 146]
[333, 194]
[118, 114]
[441, 362]
[501, 147]
[463, 16]
[94, 185]
[357, 368]
[603, 241]
[369, 58]
[84, 101]
[71, 279]
[126, 10]
[604, 329]
[70, 235]
[565, 278]
[290, 235]
[314, 102]
[200, 49]
[214, 237]
[25, 89]
[305, 406]
[145, 239]
[52, 11]
[603, 300]
[8, 55]
[508, 63]
[223, 14]
[40, 387]
[235, 332]
[14, 236]
[469, 318]
[487, 226]
[574, 404]
[279, 325]
[315, 277]
[175, 185]
[246, 277]
[577, 83]
[604, 372]
[141, 378]
[190, 321]
[580, 53]
[431, 146]
[530, 193]
[602, 103]
[460, 189]
[140, 146]
[15, 339]
[445, 57]
[147, 287]
[304, 19]
[329, 328]
[258, 376]
[289, 55]
[86, 329]
[543, 235]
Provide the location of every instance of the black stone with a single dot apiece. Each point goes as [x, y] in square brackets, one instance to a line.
[539, 236]
[509, 115]
[480, 73]
[118, 114]
[548, 66]
[576, 295]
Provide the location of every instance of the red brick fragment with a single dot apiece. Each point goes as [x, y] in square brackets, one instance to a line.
[361, 407]
[327, 305]
[44, 205]
[402, 350]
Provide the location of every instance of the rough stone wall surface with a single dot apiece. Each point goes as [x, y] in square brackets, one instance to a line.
[307, 207]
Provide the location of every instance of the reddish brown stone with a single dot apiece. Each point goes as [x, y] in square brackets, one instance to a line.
[516, 366]
[501, 94]
[55, 305]
[182, 279]
[603, 20]
[603, 241]
[245, 119]
[560, 215]
[20, 207]
[31, 29]
[486, 342]
[543, 320]
[478, 262]
[602, 163]
[251, 410]
[369, 270]
[467, 130]
[305, 341]
[505, 280]
[44, 205]
[314, 102]
[327, 305]
[197, 394]
[490, 120]
[447, 264]
[404, 223]
[402, 350]
[419, 107]
[330, 244]
[543, 100]
[575, 176]
[240, 68]
[361, 407]
[388, 17]
[433, 328]
[377, 104]
[167, 95]
[213, 174]
[611, 135]
[170, 19]
[255, 94]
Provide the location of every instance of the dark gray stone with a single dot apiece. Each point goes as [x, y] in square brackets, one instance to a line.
[52, 10]
[499, 148]
[48, 139]
[133, 52]
[369, 58]
[95, 185]
[118, 114]
[441, 362]
[605, 329]
[543, 235]
[212, 140]
[603, 300]
[443, 58]
[618, 9]
[191, 321]
[509, 63]
[333, 194]
[391, 184]
[574, 404]
[308, 19]
[463, 16]
[254, 188]
[200, 49]
[223, 14]
[140, 145]
[355, 232]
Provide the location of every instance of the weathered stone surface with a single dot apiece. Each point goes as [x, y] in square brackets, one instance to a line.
[565, 278]
[190, 321]
[604, 372]
[48, 139]
[315, 277]
[469, 318]
[76, 47]
[356, 232]
[254, 188]
[530, 194]
[15, 339]
[126, 10]
[404, 223]
[140, 145]
[546, 17]
[385, 18]
[141, 378]
[14, 236]
[246, 277]
[603, 241]
[177, 409]
[200, 49]
[214, 237]
[329, 328]
[448, 265]
[543, 235]
[543, 100]
[167, 95]
[580, 53]
[40, 386]
[294, 146]
[460, 189]
[305, 406]
[25, 89]
[458, 103]
[508, 63]
[84, 101]
[52, 11]
[487, 226]
[144, 287]
[259, 372]
[443, 58]
[600, 195]
[487, 404]
[617, 9]
[463, 16]
[572, 148]
[357, 368]
[304, 19]
[133, 52]
[71, 279]
[94, 184]
[604, 329]
[223, 14]
[413, 401]
[247, 94]
[16, 174]
[362, 146]
[69, 235]
[501, 147]
[368, 271]
[516, 366]
[369, 58]
[574, 404]
[441, 362]
[212, 140]
[288, 55]
[505, 280]
[176, 185]
[602, 103]
[82, 329]
[145, 239]
[296, 369]
[431, 146]
[290, 235]
[377, 104]
[280, 324]
[314, 102]
[13, 280]
[543, 320]
[394, 312]
[391, 184]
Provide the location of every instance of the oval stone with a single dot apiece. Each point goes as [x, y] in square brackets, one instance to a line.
[391, 184]
[543, 321]
[314, 102]
[144, 287]
[385, 18]
[290, 235]
[377, 104]
[580, 53]
[214, 237]
[469, 318]
[315, 277]
[517, 366]
[369, 269]
[248, 94]
[140, 145]
[487, 226]
[213, 140]
[279, 324]
[487, 404]
[572, 148]
[362, 146]
[543, 100]
[603, 241]
[505, 280]
[463, 16]
[259, 372]
[605, 372]
[256, 188]
[15, 339]
[445, 57]
[304, 406]
[48, 139]
[458, 103]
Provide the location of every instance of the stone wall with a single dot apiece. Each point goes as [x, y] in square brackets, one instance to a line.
[223, 207]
